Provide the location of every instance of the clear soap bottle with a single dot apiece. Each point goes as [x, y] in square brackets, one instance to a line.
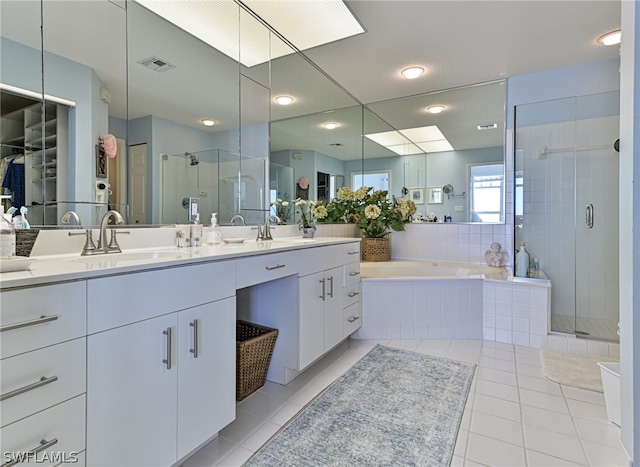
[214, 235]
[7, 236]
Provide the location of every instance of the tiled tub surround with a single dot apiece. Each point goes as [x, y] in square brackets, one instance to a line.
[513, 311]
[436, 300]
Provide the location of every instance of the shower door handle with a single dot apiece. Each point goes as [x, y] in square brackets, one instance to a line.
[590, 216]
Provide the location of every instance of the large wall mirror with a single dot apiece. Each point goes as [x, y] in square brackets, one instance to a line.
[137, 83]
[455, 155]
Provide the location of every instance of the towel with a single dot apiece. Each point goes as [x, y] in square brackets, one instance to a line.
[110, 145]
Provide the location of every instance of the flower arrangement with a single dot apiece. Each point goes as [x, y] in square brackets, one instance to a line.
[307, 212]
[371, 211]
[282, 209]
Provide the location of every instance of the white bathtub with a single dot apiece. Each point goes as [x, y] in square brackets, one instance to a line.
[440, 300]
[424, 270]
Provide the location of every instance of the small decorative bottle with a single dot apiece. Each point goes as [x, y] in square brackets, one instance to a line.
[522, 262]
[7, 237]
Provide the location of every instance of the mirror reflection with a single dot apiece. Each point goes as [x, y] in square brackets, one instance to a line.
[154, 98]
[459, 149]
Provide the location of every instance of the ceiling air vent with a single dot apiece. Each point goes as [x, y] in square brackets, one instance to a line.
[488, 126]
[156, 64]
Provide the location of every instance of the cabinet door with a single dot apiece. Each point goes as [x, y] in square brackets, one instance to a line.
[333, 319]
[206, 372]
[312, 295]
[131, 395]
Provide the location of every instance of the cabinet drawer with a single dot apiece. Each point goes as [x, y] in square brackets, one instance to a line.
[312, 260]
[37, 317]
[264, 268]
[62, 423]
[351, 252]
[351, 273]
[351, 294]
[352, 319]
[60, 370]
[128, 298]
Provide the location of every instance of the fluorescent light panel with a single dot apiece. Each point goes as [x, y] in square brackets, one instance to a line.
[413, 140]
[304, 24]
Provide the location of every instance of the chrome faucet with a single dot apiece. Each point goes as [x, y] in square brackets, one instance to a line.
[112, 247]
[264, 233]
[238, 217]
[66, 219]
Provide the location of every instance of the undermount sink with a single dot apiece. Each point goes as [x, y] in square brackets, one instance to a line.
[129, 256]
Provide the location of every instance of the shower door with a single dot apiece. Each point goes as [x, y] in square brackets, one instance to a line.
[566, 207]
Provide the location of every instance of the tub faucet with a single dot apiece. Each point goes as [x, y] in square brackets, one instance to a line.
[240, 218]
[264, 232]
[113, 247]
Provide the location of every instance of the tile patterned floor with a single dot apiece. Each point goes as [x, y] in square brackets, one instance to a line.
[514, 416]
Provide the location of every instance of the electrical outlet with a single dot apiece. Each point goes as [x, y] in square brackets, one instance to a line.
[459, 209]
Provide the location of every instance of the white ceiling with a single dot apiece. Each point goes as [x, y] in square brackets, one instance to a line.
[463, 42]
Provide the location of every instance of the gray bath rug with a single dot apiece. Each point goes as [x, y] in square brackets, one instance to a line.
[393, 407]
[573, 369]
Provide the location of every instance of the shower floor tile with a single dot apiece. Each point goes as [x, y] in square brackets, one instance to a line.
[586, 327]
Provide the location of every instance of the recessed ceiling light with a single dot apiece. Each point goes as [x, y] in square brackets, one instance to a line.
[284, 100]
[610, 38]
[412, 72]
[435, 109]
[208, 121]
[330, 125]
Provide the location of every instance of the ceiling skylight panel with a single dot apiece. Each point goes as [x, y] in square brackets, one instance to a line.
[435, 146]
[305, 24]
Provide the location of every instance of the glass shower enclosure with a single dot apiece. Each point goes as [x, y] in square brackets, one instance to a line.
[224, 183]
[566, 207]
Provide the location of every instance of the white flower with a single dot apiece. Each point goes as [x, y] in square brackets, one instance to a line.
[285, 203]
[372, 211]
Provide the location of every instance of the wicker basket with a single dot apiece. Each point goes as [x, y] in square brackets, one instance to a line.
[254, 347]
[376, 249]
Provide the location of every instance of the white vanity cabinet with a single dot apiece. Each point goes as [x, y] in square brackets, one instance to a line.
[320, 316]
[42, 371]
[161, 386]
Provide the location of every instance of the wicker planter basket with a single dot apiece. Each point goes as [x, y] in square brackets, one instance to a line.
[254, 348]
[376, 249]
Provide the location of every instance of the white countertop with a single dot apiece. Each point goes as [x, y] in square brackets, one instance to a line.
[68, 267]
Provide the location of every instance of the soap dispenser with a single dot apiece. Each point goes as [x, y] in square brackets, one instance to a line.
[522, 262]
[214, 235]
[196, 232]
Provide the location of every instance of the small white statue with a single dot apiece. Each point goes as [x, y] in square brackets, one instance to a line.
[495, 257]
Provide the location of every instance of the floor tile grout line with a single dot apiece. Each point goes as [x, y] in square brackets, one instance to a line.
[575, 426]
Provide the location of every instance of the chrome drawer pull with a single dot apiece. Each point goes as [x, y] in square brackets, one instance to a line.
[353, 294]
[324, 285]
[16, 392]
[354, 252]
[330, 294]
[353, 318]
[44, 444]
[194, 351]
[277, 266]
[168, 359]
[31, 322]
[354, 273]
